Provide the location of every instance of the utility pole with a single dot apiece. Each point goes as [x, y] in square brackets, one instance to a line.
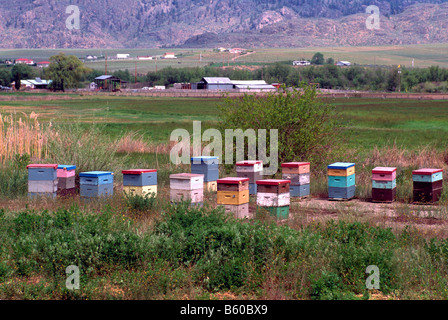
[135, 76]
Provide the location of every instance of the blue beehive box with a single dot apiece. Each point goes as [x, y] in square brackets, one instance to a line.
[139, 177]
[96, 177]
[94, 191]
[206, 165]
[341, 181]
[341, 193]
[252, 188]
[42, 172]
[299, 190]
[384, 184]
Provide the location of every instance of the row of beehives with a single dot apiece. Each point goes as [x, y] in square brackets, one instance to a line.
[233, 192]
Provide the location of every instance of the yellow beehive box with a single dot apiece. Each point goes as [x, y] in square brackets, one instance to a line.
[140, 190]
[341, 172]
[211, 186]
[233, 197]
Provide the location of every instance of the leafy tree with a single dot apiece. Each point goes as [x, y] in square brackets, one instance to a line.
[21, 71]
[65, 71]
[308, 129]
[318, 58]
[330, 61]
[5, 77]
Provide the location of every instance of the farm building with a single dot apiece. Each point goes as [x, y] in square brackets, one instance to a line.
[301, 63]
[252, 86]
[169, 55]
[144, 57]
[109, 83]
[93, 86]
[213, 83]
[25, 61]
[123, 55]
[343, 63]
[36, 83]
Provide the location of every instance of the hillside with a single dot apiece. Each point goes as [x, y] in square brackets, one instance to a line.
[200, 23]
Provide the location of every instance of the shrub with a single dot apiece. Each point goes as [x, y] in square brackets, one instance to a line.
[89, 149]
[308, 129]
[140, 203]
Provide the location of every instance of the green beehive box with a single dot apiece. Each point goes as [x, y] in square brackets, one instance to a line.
[280, 213]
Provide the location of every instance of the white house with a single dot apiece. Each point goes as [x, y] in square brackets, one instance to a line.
[169, 55]
[301, 63]
[343, 63]
[123, 55]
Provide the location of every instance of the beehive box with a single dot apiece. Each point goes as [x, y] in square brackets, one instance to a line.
[341, 181]
[297, 179]
[295, 167]
[280, 213]
[384, 184]
[233, 197]
[341, 169]
[140, 190]
[233, 184]
[240, 211]
[276, 186]
[206, 165]
[96, 178]
[249, 166]
[186, 181]
[42, 172]
[193, 195]
[252, 176]
[139, 177]
[211, 186]
[96, 191]
[274, 198]
[66, 176]
[299, 191]
[42, 179]
[428, 184]
[95, 184]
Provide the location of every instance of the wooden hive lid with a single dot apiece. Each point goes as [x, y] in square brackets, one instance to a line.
[272, 182]
[232, 180]
[42, 165]
[138, 171]
[294, 164]
[426, 171]
[386, 170]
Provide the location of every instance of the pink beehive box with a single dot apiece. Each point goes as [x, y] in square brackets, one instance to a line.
[384, 173]
[66, 171]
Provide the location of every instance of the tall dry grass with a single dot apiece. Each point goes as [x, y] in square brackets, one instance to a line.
[400, 157]
[23, 134]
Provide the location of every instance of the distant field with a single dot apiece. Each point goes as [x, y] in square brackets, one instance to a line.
[373, 122]
[423, 55]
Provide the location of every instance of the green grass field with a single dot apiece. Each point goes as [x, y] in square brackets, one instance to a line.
[424, 55]
[410, 124]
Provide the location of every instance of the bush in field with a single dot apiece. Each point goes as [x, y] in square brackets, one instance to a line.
[88, 148]
[14, 176]
[308, 129]
[140, 203]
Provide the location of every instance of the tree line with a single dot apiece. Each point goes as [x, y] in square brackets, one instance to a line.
[70, 72]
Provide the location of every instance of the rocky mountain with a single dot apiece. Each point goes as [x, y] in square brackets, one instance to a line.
[209, 23]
